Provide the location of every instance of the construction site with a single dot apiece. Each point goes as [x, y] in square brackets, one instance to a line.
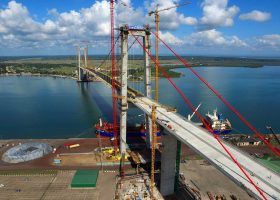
[83, 171]
[168, 157]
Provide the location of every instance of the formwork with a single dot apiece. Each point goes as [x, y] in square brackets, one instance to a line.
[85, 178]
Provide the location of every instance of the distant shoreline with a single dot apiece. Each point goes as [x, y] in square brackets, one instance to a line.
[182, 66]
[170, 69]
[40, 75]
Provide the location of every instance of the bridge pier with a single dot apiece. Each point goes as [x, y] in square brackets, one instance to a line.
[168, 164]
[82, 74]
[79, 64]
[148, 90]
[123, 101]
[145, 34]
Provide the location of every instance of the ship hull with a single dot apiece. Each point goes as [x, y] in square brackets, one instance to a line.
[103, 133]
[106, 130]
[222, 132]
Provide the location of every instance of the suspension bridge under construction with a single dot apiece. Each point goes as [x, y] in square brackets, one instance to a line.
[234, 163]
[243, 169]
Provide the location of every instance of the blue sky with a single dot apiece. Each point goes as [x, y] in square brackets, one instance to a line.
[204, 27]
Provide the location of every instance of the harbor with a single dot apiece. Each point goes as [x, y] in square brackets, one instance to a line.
[69, 155]
[139, 100]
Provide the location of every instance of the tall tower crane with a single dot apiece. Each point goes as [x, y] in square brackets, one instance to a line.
[153, 149]
[114, 91]
[156, 13]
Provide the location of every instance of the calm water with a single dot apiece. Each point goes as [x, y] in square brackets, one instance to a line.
[46, 107]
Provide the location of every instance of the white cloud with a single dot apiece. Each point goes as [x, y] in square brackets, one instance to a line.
[213, 38]
[126, 14]
[19, 29]
[16, 17]
[268, 41]
[209, 42]
[170, 38]
[216, 13]
[169, 19]
[189, 21]
[235, 41]
[256, 15]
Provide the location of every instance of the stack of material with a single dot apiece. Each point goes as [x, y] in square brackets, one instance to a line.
[136, 187]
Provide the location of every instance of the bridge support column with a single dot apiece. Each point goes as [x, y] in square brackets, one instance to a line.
[81, 74]
[123, 102]
[80, 71]
[168, 163]
[148, 90]
[145, 34]
[85, 73]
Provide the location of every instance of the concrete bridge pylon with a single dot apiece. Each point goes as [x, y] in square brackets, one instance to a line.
[125, 32]
[82, 74]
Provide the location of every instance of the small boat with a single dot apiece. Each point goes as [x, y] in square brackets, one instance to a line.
[217, 123]
[106, 129]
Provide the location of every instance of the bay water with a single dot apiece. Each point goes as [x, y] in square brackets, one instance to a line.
[49, 107]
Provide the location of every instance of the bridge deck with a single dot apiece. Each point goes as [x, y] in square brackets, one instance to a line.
[206, 145]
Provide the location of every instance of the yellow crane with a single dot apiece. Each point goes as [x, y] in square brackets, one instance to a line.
[155, 12]
[153, 149]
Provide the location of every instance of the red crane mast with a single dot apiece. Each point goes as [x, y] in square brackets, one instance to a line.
[114, 92]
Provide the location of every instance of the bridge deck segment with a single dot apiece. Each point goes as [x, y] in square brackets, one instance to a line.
[203, 142]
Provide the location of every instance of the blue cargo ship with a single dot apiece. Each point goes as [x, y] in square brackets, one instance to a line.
[106, 129]
[217, 123]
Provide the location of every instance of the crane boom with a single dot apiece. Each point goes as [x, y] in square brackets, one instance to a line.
[175, 6]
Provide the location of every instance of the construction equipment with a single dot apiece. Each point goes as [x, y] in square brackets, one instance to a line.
[210, 195]
[155, 12]
[154, 132]
[114, 91]
[272, 131]
[191, 116]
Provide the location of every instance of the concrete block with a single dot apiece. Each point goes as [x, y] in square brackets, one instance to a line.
[168, 163]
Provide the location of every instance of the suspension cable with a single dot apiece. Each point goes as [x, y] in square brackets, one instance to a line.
[118, 60]
[222, 99]
[105, 59]
[201, 118]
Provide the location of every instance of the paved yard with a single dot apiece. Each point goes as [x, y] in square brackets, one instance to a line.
[54, 187]
[204, 177]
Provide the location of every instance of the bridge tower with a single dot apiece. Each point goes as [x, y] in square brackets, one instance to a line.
[82, 74]
[79, 64]
[125, 32]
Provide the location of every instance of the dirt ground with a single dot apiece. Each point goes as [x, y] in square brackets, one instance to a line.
[204, 178]
[79, 159]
